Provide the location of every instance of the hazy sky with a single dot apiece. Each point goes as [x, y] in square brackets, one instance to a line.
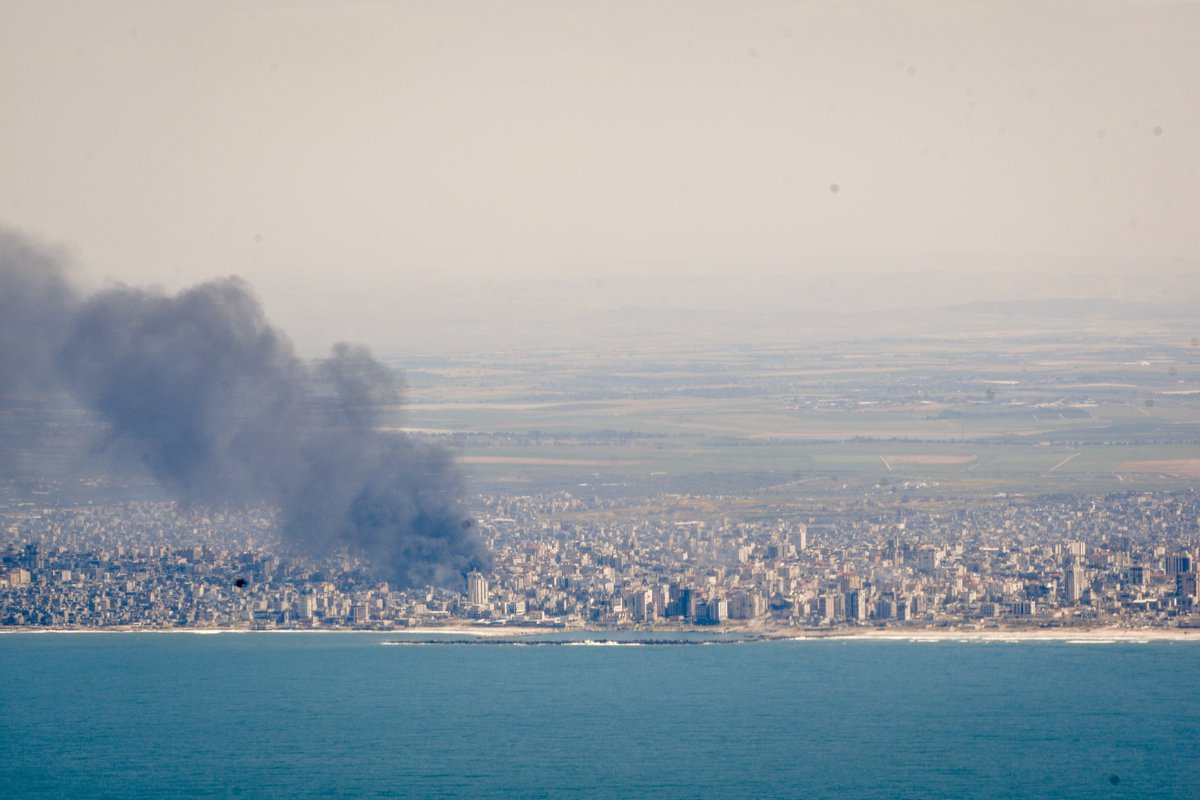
[373, 149]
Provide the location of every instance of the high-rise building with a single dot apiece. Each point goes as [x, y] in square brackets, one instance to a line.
[747, 605]
[1023, 608]
[477, 589]
[18, 577]
[32, 560]
[856, 605]
[714, 611]
[642, 605]
[928, 559]
[1178, 564]
[829, 606]
[885, 608]
[1187, 587]
[689, 603]
[1075, 583]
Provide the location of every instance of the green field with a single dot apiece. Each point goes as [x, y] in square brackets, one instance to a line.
[979, 417]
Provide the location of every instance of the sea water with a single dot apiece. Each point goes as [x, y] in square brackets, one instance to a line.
[345, 715]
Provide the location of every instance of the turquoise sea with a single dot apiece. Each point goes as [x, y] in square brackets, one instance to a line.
[344, 715]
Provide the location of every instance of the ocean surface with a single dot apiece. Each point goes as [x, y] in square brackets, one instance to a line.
[345, 715]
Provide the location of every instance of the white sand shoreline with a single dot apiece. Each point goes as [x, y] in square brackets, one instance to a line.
[1098, 635]
[1073, 636]
[482, 632]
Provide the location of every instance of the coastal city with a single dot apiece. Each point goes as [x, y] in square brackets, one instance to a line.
[565, 561]
[606, 400]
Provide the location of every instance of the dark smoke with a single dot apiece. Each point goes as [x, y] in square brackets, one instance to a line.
[204, 392]
[36, 304]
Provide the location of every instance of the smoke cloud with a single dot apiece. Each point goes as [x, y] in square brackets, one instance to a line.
[36, 303]
[200, 389]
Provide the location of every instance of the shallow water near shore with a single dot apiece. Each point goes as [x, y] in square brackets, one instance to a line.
[310, 715]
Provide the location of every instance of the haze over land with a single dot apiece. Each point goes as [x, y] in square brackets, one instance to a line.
[585, 322]
[674, 285]
[673, 246]
[431, 178]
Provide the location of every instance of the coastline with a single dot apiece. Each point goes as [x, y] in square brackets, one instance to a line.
[1089, 635]
[1099, 635]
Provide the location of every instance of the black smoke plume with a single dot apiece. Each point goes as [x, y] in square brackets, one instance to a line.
[211, 398]
[36, 304]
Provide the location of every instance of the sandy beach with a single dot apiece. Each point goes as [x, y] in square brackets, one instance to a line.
[1096, 635]
[1079, 636]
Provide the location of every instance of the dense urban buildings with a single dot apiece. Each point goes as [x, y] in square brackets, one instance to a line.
[1125, 560]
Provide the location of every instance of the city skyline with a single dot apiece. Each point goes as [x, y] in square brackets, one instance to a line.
[854, 341]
